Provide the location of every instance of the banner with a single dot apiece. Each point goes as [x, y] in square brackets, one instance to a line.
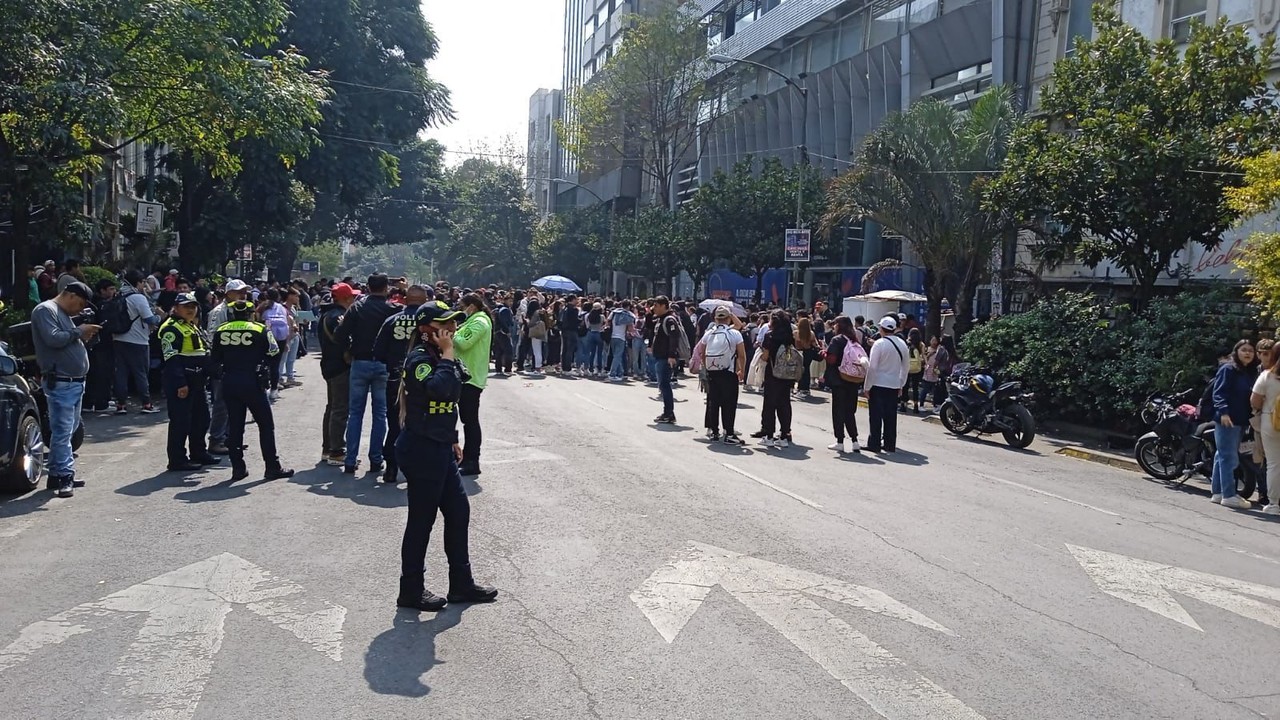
[797, 248]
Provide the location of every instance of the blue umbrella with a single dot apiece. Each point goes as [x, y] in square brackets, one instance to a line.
[559, 283]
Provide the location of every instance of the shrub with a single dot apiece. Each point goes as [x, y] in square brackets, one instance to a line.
[93, 273]
[1090, 363]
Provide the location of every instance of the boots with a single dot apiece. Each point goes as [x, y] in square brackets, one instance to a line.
[391, 475]
[415, 597]
[275, 471]
[239, 470]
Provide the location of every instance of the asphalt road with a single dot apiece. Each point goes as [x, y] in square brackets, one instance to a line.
[643, 574]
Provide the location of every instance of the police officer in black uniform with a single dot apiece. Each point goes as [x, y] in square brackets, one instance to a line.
[428, 454]
[185, 351]
[391, 346]
[242, 351]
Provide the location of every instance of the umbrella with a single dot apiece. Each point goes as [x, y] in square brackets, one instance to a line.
[556, 282]
[712, 304]
[895, 296]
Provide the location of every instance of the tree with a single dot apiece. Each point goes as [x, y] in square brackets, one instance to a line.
[572, 243]
[648, 102]
[1260, 258]
[650, 244]
[924, 174]
[1140, 141]
[490, 225]
[745, 213]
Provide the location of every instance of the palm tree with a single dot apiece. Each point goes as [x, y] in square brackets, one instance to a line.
[923, 175]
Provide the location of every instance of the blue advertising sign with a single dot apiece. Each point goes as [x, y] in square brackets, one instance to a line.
[797, 247]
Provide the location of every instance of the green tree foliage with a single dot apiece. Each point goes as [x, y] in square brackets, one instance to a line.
[1260, 258]
[650, 244]
[572, 243]
[491, 225]
[1141, 139]
[923, 174]
[1094, 364]
[648, 100]
[744, 213]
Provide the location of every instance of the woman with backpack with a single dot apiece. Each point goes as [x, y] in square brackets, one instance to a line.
[536, 330]
[945, 360]
[845, 373]
[783, 366]
[807, 344]
[915, 371]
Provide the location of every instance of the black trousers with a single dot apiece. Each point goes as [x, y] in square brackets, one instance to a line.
[844, 407]
[243, 394]
[102, 373]
[568, 350]
[469, 413]
[434, 487]
[912, 390]
[393, 423]
[882, 403]
[188, 419]
[722, 400]
[777, 404]
[502, 352]
[524, 353]
[334, 422]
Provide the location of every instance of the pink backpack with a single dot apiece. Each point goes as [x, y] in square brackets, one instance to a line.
[853, 363]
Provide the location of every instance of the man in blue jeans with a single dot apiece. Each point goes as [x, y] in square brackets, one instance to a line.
[64, 363]
[621, 321]
[357, 332]
[666, 350]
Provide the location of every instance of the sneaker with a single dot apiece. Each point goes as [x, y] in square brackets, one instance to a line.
[473, 594]
[854, 447]
[77, 483]
[713, 435]
[1271, 509]
[1237, 502]
[277, 473]
[149, 409]
[615, 379]
[665, 420]
[427, 601]
[66, 488]
[349, 469]
[783, 442]
[292, 383]
[732, 439]
[375, 466]
[768, 441]
[219, 449]
[838, 446]
[274, 396]
[759, 434]
[121, 409]
[337, 459]
[1216, 499]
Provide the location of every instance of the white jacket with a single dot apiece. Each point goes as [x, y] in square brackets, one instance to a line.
[889, 366]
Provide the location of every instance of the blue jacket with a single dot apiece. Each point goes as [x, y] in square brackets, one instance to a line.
[1231, 390]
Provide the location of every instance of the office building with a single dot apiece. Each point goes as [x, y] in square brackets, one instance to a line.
[543, 158]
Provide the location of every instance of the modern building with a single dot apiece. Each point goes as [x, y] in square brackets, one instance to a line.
[542, 161]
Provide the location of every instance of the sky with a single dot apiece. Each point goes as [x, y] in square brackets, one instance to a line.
[493, 55]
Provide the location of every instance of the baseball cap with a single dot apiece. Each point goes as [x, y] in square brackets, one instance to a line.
[80, 290]
[436, 312]
[888, 323]
[185, 299]
[237, 285]
[343, 290]
[173, 272]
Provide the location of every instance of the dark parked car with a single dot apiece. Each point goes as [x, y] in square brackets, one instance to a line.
[22, 431]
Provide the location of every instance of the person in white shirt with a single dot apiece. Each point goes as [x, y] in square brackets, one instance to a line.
[886, 376]
[724, 357]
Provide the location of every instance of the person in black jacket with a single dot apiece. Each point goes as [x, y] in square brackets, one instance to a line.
[357, 331]
[391, 347]
[428, 452]
[666, 352]
[335, 368]
[569, 321]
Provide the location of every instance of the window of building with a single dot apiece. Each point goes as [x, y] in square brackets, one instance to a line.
[888, 18]
[1182, 13]
[745, 14]
[767, 5]
[1079, 23]
[715, 29]
[922, 11]
[589, 27]
[853, 31]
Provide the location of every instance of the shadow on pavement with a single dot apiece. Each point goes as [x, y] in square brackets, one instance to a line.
[13, 505]
[861, 458]
[471, 485]
[398, 658]
[225, 490]
[160, 481]
[669, 428]
[997, 441]
[362, 489]
[904, 457]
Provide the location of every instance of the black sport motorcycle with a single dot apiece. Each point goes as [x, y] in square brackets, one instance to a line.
[975, 403]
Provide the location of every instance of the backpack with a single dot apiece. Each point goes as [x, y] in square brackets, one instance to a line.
[116, 318]
[683, 351]
[853, 363]
[537, 329]
[788, 363]
[718, 348]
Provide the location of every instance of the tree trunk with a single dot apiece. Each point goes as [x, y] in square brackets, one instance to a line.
[963, 307]
[19, 248]
[759, 286]
[285, 260]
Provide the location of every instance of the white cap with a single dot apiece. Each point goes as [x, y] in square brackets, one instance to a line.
[173, 272]
[888, 323]
[236, 285]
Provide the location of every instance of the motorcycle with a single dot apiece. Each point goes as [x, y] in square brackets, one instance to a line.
[1180, 443]
[975, 403]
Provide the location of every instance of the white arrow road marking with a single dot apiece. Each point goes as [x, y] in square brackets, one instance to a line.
[169, 662]
[777, 595]
[1149, 585]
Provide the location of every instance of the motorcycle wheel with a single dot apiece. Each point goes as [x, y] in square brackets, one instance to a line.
[1157, 459]
[952, 419]
[1246, 481]
[1026, 431]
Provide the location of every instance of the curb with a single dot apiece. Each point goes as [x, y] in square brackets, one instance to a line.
[1083, 453]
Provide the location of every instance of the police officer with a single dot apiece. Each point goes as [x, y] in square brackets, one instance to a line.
[243, 351]
[428, 454]
[185, 350]
[391, 346]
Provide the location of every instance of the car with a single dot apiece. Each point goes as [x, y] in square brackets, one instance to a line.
[22, 429]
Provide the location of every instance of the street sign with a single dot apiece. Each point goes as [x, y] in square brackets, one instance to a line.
[246, 252]
[1150, 585]
[165, 669]
[150, 217]
[781, 596]
[310, 266]
[175, 242]
[797, 247]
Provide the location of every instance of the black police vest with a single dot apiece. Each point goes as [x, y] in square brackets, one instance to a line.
[432, 387]
[242, 346]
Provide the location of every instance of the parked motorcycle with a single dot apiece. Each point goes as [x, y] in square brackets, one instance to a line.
[975, 403]
[1181, 444]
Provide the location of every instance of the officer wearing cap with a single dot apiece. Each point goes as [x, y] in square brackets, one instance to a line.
[242, 351]
[219, 316]
[428, 454]
[185, 350]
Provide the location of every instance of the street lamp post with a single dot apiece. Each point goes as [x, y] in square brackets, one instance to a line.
[798, 85]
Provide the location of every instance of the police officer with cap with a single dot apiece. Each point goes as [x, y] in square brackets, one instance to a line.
[242, 351]
[185, 351]
[428, 454]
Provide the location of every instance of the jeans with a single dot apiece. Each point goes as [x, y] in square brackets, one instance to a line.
[568, 350]
[595, 351]
[434, 487]
[844, 409]
[288, 354]
[469, 413]
[580, 356]
[64, 417]
[1223, 480]
[722, 400]
[638, 365]
[368, 377]
[882, 406]
[651, 363]
[619, 348]
[334, 422]
[664, 371]
[133, 362]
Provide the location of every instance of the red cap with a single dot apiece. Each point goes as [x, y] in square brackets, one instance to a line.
[343, 291]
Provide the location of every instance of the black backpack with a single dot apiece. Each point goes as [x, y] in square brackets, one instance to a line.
[116, 319]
